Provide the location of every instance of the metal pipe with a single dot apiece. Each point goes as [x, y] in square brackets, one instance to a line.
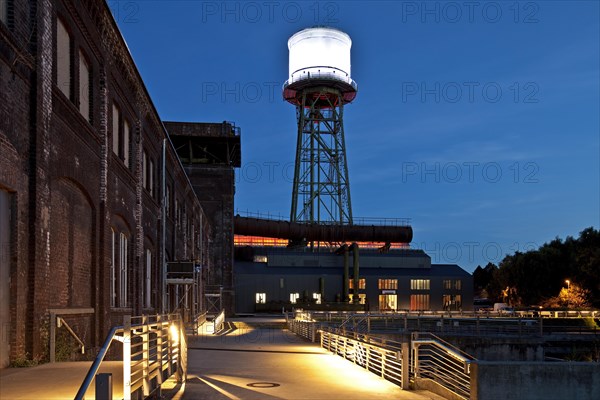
[96, 364]
[321, 232]
[346, 274]
[355, 271]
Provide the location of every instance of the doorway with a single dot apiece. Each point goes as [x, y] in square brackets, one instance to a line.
[388, 302]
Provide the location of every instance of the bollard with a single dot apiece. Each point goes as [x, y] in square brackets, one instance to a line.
[104, 386]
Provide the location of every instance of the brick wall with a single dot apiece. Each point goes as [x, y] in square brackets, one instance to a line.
[68, 186]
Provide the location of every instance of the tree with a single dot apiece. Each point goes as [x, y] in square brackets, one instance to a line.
[572, 296]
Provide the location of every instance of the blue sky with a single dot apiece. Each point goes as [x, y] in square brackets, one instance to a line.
[477, 120]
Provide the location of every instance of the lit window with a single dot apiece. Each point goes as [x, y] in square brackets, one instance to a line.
[362, 283]
[294, 297]
[419, 302]
[389, 284]
[317, 297]
[260, 259]
[452, 301]
[261, 298]
[63, 58]
[447, 284]
[419, 284]
[116, 116]
[85, 87]
[362, 298]
[458, 284]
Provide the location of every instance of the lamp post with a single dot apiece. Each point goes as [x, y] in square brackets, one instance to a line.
[568, 282]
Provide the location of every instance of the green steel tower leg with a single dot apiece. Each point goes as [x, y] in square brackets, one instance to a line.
[321, 191]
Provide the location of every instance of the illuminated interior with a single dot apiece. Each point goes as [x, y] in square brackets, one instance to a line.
[258, 241]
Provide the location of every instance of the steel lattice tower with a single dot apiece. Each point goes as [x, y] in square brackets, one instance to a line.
[321, 189]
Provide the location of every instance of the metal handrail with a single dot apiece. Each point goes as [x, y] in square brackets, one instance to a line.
[443, 363]
[389, 362]
[158, 344]
[96, 364]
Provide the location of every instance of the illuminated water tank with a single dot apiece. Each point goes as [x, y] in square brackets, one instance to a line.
[319, 56]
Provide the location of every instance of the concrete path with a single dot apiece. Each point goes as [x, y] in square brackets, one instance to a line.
[259, 360]
[56, 381]
[273, 363]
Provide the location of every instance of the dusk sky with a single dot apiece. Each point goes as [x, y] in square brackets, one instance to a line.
[479, 121]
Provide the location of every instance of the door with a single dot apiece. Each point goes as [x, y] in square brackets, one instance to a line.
[388, 302]
[5, 242]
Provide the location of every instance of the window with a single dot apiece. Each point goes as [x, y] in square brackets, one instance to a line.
[151, 178]
[419, 284]
[294, 297]
[123, 267]
[317, 297]
[148, 280]
[419, 302]
[452, 284]
[4, 11]
[113, 265]
[85, 87]
[116, 117]
[261, 298]
[362, 298]
[126, 143]
[390, 284]
[145, 169]
[362, 284]
[119, 269]
[261, 259]
[452, 301]
[388, 302]
[63, 58]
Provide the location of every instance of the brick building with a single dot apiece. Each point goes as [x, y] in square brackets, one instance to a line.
[85, 162]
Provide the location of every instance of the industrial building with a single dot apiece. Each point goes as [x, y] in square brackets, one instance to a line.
[399, 280]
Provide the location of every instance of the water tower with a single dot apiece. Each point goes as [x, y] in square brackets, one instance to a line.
[319, 85]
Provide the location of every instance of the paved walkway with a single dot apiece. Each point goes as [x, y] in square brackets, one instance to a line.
[272, 363]
[259, 360]
[56, 381]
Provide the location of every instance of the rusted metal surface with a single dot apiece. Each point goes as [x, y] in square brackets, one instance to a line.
[321, 232]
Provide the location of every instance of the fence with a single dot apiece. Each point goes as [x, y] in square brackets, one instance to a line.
[306, 329]
[154, 349]
[390, 360]
[441, 362]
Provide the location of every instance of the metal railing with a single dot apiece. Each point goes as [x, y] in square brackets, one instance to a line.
[306, 329]
[441, 362]
[154, 349]
[57, 321]
[387, 359]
